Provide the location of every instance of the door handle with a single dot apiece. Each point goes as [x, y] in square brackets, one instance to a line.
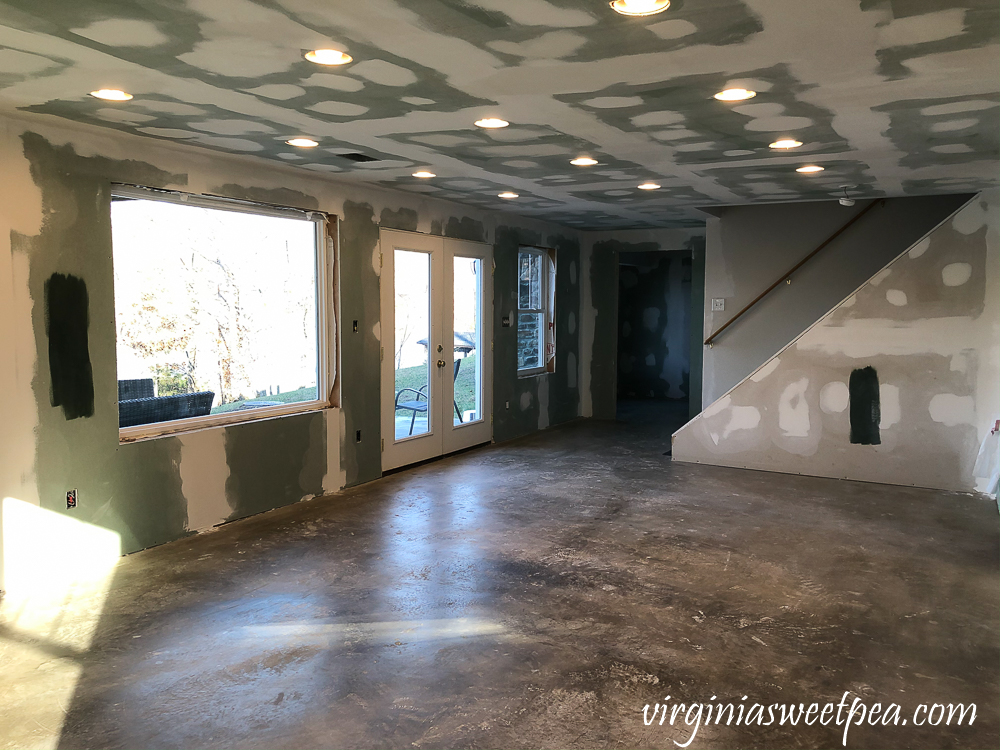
[441, 363]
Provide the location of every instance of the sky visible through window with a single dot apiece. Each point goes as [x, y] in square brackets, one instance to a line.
[215, 300]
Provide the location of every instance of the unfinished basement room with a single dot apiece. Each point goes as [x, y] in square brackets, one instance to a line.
[499, 374]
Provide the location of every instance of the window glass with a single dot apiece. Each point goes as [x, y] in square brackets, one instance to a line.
[530, 282]
[529, 340]
[216, 310]
[531, 316]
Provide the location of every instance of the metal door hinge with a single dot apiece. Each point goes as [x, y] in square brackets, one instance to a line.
[380, 259]
[381, 353]
[383, 445]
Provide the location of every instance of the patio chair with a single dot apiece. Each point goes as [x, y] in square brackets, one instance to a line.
[420, 407]
[458, 366]
[416, 406]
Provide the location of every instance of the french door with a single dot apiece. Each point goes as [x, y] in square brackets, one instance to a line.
[437, 334]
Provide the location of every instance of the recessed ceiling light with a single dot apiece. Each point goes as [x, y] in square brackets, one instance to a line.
[583, 161]
[735, 95]
[112, 95]
[423, 174]
[786, 143]
[809, 169]
[328, 57]
[649, 186]
[302, 142]
[507, 195]
[640, 7]
[492, 122]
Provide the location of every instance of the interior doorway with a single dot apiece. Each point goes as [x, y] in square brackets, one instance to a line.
[437, 334]
[655, 338]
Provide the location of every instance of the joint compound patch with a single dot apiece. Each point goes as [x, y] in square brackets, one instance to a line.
[889, 405]
[743, 418]
[793, 409]
[956, 274]
[951, 410]
[834, 397]
[896, 297]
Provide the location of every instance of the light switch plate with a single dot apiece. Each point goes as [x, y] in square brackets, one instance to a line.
[718, 304]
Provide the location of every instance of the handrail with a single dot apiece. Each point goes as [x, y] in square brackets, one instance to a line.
[787, 275]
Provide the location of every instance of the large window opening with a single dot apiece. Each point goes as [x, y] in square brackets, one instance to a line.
[219, 309]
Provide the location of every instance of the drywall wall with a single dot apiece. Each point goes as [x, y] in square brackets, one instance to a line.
[525, 404]
[57, 306]
[897, 384]
[749, 247]
[654, 325]
[601, 310]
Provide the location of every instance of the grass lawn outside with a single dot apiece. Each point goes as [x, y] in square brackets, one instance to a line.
[408, 377]
[307, 393]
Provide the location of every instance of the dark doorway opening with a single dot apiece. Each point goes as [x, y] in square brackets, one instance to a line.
[654, 338]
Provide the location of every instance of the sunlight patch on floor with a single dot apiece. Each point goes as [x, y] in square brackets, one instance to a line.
[57, 573]
[404, 631]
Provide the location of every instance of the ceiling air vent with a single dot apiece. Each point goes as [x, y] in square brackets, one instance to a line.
[360, 158]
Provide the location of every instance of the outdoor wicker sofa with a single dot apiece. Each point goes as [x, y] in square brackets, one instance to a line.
[148, 409]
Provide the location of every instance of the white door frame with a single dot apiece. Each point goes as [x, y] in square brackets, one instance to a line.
[442, 435]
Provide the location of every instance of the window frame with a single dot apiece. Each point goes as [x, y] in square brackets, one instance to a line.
[327, 354]
[543, 281]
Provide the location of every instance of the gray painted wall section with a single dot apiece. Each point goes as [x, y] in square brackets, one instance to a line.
[538, 401]
[56, 215]
[928, 324]
[749, 247]
[359, 353]
[604, 297]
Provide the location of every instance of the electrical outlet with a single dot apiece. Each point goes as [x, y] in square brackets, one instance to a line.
[718, 304]
[355, 326]
[507, 404]
[70, 499]
[357, 436]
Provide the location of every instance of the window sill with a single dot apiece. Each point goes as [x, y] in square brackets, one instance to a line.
[143, 432]
[534, 372]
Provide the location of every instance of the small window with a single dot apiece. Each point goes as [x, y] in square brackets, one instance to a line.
[219, 310]
[535, 331]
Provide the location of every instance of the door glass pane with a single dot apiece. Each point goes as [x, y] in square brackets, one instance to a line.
[411, 343]
[468, 406]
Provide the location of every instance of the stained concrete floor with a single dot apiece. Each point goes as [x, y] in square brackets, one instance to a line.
[539, 594]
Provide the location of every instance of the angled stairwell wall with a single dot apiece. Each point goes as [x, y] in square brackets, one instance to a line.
[897, 384]
[749, 247]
